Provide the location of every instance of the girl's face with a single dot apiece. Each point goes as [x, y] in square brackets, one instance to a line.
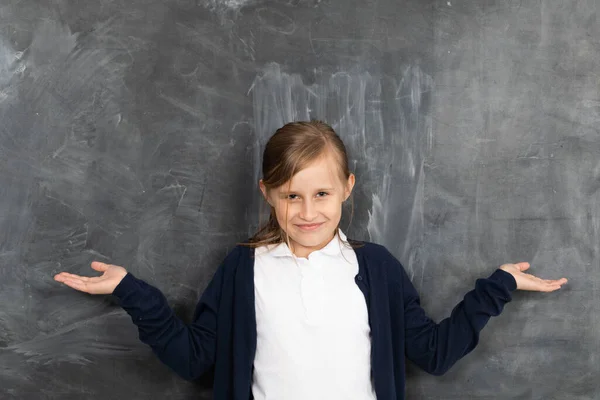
[309, 206]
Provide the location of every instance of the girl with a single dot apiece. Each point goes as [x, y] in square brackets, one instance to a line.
[300, 311]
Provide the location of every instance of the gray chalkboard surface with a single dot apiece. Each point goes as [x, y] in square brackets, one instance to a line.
[131, 133]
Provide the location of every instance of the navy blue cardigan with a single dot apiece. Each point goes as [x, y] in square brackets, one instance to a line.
[223, 332]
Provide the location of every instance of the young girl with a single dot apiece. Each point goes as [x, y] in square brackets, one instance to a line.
[300, 311]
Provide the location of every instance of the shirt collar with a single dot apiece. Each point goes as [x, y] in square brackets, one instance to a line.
[334, 247]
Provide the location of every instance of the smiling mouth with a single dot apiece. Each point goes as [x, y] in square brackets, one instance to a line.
[309, 227]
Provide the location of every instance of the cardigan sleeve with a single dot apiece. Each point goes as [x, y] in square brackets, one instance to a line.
[188, 349]
[435, 347]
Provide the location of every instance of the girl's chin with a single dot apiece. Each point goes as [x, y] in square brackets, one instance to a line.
[312, 239]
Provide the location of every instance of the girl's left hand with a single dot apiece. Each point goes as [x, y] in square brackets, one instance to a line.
[530, 282]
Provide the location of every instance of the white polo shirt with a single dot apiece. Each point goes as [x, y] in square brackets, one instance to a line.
[313, 335]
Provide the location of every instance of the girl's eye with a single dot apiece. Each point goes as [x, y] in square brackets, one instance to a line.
[293, 196]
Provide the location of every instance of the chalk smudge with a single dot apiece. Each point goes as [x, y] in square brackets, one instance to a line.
[225, 5]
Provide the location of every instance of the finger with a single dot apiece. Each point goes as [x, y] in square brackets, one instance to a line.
[65, 275]
[77, 284]
[71, 279]
[100, 266]
[523, 266]
[549, 287]
[560, 281]
[556, 281]
[80, 278]
[533, 283]
[95, 279]
[534, 279]
[541, 288]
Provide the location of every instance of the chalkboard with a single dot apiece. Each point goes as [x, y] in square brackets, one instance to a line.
[131, 132]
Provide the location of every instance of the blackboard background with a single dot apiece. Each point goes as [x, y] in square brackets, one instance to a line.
[131, 133]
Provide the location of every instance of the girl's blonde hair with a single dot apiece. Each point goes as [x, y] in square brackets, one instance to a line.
[292, 148]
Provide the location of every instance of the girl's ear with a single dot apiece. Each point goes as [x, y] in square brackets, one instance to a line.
[263, 189]
[349, 186]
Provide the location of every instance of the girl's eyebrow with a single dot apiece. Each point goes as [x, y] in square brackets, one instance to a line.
[286, 192]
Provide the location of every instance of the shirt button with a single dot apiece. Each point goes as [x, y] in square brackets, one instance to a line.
[359, 277]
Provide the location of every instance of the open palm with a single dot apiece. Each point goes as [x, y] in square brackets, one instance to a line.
[530, 282]
[103, 284]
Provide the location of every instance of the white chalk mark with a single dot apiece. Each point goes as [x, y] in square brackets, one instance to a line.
[181, 105]
[225, 5]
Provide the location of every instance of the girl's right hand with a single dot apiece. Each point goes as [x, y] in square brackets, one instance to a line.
[104, 284]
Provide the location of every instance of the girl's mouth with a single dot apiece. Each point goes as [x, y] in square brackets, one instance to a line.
[309, 227]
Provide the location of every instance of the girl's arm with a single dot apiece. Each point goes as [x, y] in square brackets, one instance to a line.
[435, 347]
[189, 350]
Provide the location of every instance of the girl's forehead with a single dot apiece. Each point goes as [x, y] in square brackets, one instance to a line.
[321, 173]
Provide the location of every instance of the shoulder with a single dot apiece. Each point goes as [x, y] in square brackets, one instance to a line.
[377, 258]
[239, 256]
[240, 250]
[373, 252]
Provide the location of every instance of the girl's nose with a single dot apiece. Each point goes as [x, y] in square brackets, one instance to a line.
[309, 211]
